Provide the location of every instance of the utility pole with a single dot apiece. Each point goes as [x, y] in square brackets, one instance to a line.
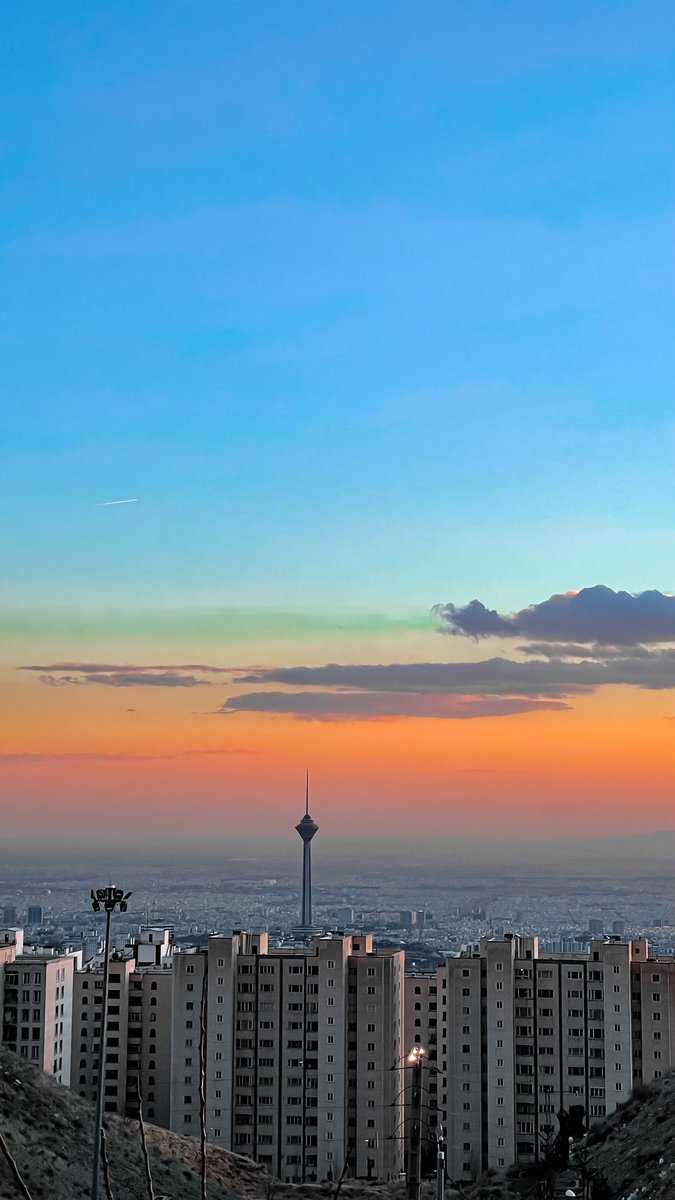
[108, 898]
[440, 1164]
[414, 1176]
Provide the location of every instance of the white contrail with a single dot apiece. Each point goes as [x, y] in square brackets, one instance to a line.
[106, 503]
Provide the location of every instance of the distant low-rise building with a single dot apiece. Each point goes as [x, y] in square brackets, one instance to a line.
[344, 917]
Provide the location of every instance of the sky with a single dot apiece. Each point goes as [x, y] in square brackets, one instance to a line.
[368, 309]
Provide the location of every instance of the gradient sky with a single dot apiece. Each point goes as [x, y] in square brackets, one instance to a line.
[370, 306]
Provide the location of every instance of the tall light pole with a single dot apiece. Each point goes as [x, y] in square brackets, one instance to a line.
[108, 898]
[414, 1175]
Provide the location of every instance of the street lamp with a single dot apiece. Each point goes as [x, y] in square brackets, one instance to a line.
[109, 898]
[414, 1179]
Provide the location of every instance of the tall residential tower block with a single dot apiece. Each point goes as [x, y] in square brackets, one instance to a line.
[522, 1041]
[303, 1050]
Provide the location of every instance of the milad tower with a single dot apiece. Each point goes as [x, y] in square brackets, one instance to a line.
[307, 827]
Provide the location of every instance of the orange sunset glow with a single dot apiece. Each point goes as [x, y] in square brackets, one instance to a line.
[602, 761]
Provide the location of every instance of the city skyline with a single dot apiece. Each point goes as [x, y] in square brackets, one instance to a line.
[340, 427]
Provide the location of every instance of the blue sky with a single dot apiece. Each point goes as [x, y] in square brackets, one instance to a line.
[369, 304]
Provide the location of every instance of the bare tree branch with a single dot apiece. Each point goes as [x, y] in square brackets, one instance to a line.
[270, 1187]
[144, 1144]
[16, 1174]
[106, 1167]
[344, 1172]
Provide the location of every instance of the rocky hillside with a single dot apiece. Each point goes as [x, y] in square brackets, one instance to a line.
[49, 1131]
[635, 1148]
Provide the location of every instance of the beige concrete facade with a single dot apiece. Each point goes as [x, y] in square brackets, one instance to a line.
[524, 1035]
[138, 1042]
[36, 989]
[300, 1046]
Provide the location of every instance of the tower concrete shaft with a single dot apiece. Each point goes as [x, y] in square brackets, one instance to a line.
[306, 828]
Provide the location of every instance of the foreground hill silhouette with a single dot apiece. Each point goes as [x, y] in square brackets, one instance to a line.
[50, 1131]
[635, 1148]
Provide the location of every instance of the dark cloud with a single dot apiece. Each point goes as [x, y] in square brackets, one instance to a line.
[73, 674]
[594, 652]
[595, 614]
[62, 680]
[105, 668]
[553, 678]
[374, 706]
[119, 679]
[472, 620]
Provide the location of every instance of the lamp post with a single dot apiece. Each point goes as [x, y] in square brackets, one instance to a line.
[109, 899]
[415, 1134]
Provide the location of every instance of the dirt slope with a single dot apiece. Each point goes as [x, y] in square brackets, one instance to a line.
[635, 1148]
[49, 1130]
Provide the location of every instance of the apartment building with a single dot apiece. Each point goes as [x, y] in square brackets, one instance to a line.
[138, 1041]
[524, 1036]
[36, 990]
[302, 1047]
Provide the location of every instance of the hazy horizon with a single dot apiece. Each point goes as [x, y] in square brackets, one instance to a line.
[641, 855]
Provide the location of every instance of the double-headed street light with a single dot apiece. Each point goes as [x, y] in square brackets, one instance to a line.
[108, 899]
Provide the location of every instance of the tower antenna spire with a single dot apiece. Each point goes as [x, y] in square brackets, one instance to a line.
[307, 792]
